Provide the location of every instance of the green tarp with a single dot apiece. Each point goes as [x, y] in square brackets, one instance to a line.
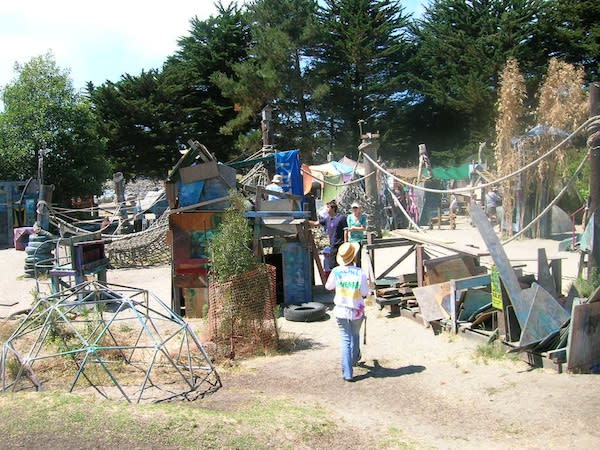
[451, 173]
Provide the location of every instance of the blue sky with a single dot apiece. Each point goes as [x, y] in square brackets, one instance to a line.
[100, 40]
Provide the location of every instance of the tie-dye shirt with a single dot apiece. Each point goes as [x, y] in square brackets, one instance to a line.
[351, 288]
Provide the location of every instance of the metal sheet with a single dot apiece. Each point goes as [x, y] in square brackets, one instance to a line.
[545, 278]
[545, 316]
[507, 274]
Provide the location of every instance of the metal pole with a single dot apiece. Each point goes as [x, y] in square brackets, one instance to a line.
[594, 145]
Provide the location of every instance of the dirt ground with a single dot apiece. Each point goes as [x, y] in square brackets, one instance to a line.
[431, 389]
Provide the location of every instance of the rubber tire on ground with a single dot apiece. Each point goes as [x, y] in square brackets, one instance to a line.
[305, 312]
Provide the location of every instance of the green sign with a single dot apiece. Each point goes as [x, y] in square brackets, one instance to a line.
[496, 288]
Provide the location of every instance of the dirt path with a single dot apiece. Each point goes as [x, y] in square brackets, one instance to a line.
[429, 387]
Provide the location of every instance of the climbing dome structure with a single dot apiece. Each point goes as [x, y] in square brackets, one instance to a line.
[117, 341]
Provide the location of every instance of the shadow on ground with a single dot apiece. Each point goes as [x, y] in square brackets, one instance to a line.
[378, 371]
[293, 344]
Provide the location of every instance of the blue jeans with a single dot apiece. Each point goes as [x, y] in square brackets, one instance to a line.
[349, 344]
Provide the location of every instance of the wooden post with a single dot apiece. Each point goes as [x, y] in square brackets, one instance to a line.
[594, 145]
[370, 145]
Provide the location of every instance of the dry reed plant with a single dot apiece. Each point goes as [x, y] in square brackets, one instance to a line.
[562, 104]
[509, 124]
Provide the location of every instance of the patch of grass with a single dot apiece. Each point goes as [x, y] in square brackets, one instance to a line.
[493, 352]
[78, 421]
[396, 439]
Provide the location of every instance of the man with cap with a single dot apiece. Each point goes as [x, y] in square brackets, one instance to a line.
[357, 225]
[351, 289]
[275, 186]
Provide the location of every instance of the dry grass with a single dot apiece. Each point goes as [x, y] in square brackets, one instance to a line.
[562, 104]
[511, 112]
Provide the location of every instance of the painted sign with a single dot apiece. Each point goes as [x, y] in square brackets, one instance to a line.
[496, 288]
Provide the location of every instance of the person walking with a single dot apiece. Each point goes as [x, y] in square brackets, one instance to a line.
[357, 225]
[351, 289]
[334, 225]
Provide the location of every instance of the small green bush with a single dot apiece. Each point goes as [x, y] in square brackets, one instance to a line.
[229, 248]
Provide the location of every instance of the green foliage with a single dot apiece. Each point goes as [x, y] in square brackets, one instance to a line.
[572, 31]
[43, 111]
[493, 352]
[229, 248]
[460, 50]
[276, 71]
[359, 69]
[138, 119]
[147, 118]
[586, 287]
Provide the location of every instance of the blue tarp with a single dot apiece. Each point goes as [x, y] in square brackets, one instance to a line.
[287, 164]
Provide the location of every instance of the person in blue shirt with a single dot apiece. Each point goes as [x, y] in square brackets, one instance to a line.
[334, 225]
[275, 186]
[357, 225]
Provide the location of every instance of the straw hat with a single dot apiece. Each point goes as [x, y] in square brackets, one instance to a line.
[347, 253]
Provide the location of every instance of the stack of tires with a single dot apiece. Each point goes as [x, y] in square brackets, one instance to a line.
[38, 249]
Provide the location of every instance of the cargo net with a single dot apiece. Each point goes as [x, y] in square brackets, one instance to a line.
[241, 314]
[146, 248]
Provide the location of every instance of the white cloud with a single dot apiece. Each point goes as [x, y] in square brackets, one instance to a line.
[95, 40]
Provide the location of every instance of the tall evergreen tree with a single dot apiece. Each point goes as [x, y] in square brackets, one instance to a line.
[136, 116]
[147, 118]
[573, 34]
[461, 48]
[276, 71]
[213, 46]
[360, 68]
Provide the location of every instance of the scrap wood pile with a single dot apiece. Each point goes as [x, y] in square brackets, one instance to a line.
[526, 312]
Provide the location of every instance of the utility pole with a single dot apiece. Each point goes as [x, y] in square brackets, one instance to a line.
[594, 146]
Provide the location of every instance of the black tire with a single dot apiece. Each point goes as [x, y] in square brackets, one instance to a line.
[305, 312]
[33, 259]
[37, 238]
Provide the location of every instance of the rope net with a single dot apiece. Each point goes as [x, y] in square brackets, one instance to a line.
[241, 315]
[146, 248]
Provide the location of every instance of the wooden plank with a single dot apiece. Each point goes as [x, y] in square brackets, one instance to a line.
[430, 299]
[199, 172]
[448, 268]
[196, 301]
[398, 262]
[420, 238]
[583, 350]
[200, 205]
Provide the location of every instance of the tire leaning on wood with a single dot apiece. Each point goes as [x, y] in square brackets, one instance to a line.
[305, 312]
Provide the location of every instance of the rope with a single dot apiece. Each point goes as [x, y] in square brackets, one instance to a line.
[358, 180]
[591, 120]
[552, 203]
[412, 222]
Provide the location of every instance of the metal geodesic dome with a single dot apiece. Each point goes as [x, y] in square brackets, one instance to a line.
[120, 342]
